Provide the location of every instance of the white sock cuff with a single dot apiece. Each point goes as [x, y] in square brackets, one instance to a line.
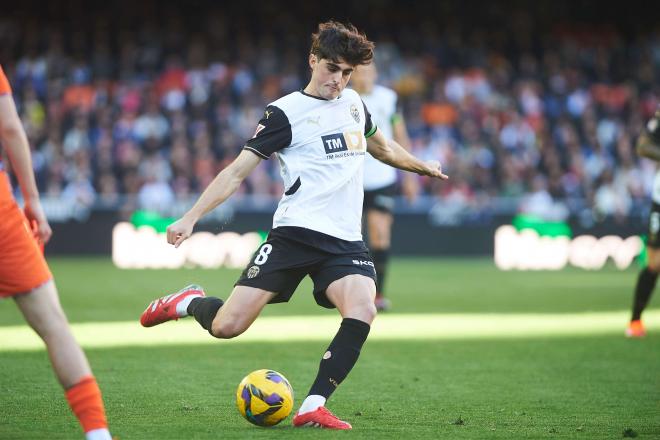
[98, 434]
[311, 403]
[182, 307]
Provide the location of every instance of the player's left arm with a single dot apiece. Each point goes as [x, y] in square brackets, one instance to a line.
[15, 142]
[391, 153]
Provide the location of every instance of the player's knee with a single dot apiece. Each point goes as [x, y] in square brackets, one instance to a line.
[366, 312]
[227, 329]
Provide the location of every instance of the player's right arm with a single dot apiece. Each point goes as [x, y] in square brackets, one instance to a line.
[219, 190]
[648, 143]
[273, 133]
[15, 143]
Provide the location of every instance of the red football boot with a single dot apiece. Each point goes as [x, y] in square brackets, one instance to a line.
[164, 309]
[635, 329]
[321, 417]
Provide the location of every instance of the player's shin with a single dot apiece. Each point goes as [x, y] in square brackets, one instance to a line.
[381, 259]
[645, 284]
[337, 362]
[87, 405]
[204, 310]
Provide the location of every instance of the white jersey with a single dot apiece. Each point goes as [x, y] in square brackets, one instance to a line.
[320, 145]
[655, 195]
[381, 102]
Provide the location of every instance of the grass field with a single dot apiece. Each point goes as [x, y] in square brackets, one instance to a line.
[468, 352]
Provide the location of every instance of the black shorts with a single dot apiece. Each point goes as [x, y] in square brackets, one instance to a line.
[654, 226]
[381, 199]
[281, 263]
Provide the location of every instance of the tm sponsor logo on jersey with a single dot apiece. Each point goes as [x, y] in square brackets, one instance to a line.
[350, 143]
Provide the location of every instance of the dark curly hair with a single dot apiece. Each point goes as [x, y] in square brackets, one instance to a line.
[337, 41]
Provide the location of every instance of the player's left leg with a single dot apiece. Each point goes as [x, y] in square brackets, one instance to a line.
[379, 227]
[353, 295]
[43, 312]
[644, 287]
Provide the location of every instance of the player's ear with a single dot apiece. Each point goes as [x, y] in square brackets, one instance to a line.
[313, 61]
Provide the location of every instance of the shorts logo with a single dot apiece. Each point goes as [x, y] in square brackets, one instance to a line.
[253, 271]
[363, 263]
[352, 141]
[355, 113]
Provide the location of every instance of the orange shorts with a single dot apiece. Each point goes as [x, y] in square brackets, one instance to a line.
[22, 264]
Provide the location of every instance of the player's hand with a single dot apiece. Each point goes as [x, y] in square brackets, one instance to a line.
[37, 219]
[179, 231]
[432, 168]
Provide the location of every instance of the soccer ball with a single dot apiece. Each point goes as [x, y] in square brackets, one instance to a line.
[264, 397]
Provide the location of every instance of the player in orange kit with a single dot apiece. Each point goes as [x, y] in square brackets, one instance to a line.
[24, 274]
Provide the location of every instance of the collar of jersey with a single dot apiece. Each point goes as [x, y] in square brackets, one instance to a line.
[317, 97]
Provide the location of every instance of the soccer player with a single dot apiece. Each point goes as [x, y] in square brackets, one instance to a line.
[25, 277]
[379, 178]
[648, 145]
[320, 136]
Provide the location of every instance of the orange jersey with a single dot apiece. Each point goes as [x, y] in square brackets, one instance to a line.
[22, 264]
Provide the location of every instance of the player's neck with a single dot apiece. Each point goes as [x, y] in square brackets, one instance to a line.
[311, 91]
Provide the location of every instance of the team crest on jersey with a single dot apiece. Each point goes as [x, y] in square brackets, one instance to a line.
[253, 272]
[355, 113]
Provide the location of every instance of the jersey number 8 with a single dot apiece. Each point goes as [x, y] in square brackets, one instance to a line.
[263, 254]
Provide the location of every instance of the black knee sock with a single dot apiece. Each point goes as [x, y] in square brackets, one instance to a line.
[340, 357]
[643, 290]
[204, 310]
[381, 260]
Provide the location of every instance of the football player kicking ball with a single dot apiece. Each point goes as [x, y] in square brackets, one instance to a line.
[648, 145]
[320, 136]
[24, 275]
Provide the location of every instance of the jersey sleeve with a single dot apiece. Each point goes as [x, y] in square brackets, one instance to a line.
[5, 88]
[369, 126]
[273, 133]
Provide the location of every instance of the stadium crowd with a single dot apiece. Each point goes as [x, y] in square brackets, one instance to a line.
[154, 103]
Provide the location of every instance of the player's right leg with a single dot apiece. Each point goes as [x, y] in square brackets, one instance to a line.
[646, 282]
[274, 267]
[221, 319]
[43, 312]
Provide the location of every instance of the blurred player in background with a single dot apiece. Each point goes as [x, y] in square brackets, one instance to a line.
[25, 277]
[648, 145]
[320, 136]
[380, 179]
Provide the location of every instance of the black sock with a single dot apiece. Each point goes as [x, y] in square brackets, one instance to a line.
[340, 357]
[643, 290]
[204, 310]
[381, 259]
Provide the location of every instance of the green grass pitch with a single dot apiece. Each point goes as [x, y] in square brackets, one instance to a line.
[587, 385]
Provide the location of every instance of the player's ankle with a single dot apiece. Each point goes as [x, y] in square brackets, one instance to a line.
[311, 403]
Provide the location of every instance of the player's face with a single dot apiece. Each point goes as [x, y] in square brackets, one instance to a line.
[329, 78]
[364, 78]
